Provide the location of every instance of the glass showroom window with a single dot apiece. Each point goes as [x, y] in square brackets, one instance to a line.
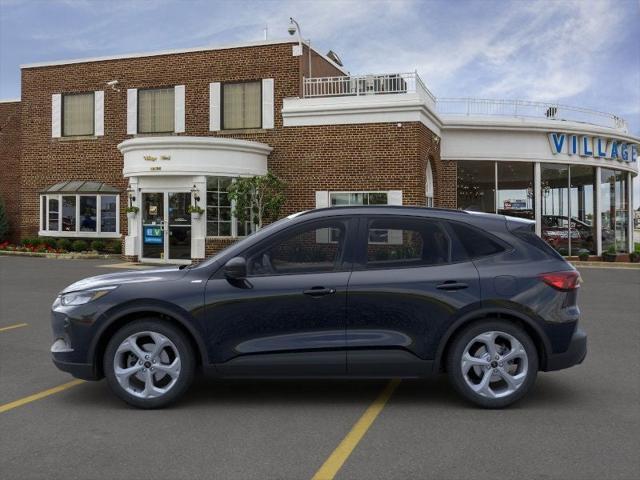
[241, 105]
[515, 189]
[80, 215]
[343, 199]
[581, 204]
[555, 206]
[156, 110]
[77, 114]
[221, 222]
[614, 210]
[477, 186]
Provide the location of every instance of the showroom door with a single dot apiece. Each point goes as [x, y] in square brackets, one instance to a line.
[166, 227]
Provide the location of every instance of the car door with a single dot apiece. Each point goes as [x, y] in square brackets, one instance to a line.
[406, 289]
[289, 317]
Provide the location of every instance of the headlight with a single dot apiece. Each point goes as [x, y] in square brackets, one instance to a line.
[84, 296]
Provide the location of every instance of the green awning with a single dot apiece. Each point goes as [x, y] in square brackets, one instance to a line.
[81, 186]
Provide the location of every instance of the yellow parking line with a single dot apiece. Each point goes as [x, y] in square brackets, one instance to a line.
[11, 327]
[334, 463]
[37, 396]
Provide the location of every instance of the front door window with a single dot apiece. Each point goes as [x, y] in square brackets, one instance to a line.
[166, 226]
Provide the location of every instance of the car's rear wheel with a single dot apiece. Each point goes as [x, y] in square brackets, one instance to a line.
[492, 363]
[149, 363]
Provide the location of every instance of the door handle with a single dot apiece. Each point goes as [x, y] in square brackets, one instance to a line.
[452, 285]
[319, 291]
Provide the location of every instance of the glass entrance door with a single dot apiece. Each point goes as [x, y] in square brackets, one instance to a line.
[153, 215]
[179, 226]
[166, 226]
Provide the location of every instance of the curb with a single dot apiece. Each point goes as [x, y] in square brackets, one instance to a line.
[614, 265]
[63, 256]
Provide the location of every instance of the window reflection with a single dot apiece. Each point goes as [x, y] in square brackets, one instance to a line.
[476, 186]
[614, 210]
[515, 189]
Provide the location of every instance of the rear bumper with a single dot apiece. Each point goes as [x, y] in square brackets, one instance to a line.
[574, 355]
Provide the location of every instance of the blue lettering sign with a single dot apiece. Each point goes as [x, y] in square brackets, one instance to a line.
[634, 153]
[573, 149]
[557, 142]
[586, 147]
[614, 150]
[601, 147]
[152, 235]
[624, 153]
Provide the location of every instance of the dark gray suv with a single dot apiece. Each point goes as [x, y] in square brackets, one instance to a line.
[352, 292]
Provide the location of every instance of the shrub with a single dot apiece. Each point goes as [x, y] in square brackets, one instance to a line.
[115, 247]
[79, 246]
[64, 244]
[29, 241]
[98, 245]
[47, 242]
[583, 255]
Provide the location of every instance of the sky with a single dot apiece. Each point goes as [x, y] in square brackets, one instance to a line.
[584, 53]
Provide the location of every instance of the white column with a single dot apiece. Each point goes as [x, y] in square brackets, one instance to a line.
[199, 226]
[537, 192]
[630, 211]
[132, 241]
[598, 213]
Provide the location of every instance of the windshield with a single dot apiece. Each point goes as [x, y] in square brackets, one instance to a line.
[246, 241]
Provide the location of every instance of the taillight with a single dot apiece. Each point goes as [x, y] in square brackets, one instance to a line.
[564, 281]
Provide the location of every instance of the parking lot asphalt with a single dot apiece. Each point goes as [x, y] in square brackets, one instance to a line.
[581, 423]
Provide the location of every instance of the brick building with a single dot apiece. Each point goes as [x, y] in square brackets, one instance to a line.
[163, 130]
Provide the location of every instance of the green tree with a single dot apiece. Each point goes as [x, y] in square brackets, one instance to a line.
[4, 222]
[257, 199]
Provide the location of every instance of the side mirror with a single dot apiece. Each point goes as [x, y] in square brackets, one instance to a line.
[235, 269]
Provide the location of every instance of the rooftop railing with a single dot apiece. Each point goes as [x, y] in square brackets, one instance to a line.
[528, 109]
[357, 85]
[401, 83]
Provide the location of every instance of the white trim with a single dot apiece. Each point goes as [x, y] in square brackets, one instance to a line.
[132, 111]
[391, 108]
[394, 197]
[268, 106]
[56, 115]
[10, 100]
[77, 233]
[179, 100]
[630, 211]
[214, 107]
[322, 199]
[172, 52]
[98, 113]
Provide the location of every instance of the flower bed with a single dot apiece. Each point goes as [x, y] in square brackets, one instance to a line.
[53, 246]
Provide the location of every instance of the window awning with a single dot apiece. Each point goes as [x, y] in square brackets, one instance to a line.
[81, 186]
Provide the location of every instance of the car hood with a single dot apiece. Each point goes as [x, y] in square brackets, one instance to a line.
[155, 275]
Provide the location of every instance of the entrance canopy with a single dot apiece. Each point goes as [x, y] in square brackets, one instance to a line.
[81, 186]
[175, 156]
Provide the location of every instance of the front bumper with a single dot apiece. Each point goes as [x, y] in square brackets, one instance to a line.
[574, 355]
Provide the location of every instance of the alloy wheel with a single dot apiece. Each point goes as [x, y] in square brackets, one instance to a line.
[147, 364]
[494, 364]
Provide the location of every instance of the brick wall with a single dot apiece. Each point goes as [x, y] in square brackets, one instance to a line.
[10, 161]
[340, 157]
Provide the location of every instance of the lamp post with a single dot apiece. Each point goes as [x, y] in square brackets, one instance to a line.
[294, 27]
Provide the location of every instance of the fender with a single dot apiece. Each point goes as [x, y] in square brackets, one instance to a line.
[488, 312]
[184, 318]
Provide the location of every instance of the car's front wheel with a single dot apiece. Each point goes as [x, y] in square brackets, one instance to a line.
[149, 363]
[492, 363]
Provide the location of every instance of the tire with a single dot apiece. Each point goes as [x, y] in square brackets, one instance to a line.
[512, 369]
[139, 377]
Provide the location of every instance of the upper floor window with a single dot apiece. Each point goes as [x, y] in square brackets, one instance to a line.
[156, 110]
[343, 199]
[78, 114]
[241, 105]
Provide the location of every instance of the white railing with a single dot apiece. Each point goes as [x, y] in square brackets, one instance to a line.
[524, 108]
[356, 85]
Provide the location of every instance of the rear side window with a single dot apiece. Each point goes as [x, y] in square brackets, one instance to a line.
[474, 241]
[528, 235]
[406, 242]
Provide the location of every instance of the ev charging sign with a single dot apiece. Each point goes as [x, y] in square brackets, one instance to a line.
[596, 147]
